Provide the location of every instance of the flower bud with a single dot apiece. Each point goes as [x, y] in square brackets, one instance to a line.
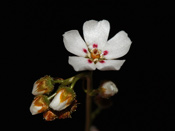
[43, 85]
[107, 89]
[64, 97]
[49, 116]
[39, 104]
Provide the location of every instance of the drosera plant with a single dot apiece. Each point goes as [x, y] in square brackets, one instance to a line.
[93, 52]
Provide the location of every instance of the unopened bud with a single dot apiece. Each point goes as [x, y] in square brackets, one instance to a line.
[107, 89]
[43, 85]
[64, 97]
[39, 104]
[49, 116]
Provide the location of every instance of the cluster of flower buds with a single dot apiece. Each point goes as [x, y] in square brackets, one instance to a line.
[62, 103]
[58, 105]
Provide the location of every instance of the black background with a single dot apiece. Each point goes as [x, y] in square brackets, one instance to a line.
[146, 81]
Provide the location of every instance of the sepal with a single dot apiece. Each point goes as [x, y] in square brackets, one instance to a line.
[49, 116]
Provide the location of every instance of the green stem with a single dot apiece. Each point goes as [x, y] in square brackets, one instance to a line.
[58, 80]
[74, 82]
[88, 102]
[50, 97]
[77, 77]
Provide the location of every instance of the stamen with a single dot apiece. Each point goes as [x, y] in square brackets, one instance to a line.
[89, 61]
[105, 52]
[84, 50]
[102, 61]
[95, 45]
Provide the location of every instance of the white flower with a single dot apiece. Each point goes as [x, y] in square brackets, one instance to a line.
[96, 51]
[108, 89]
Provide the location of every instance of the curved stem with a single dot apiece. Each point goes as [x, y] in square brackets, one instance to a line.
[73, 83]
[88, 102]
[79, 76]
[50, 97]
[58, 80]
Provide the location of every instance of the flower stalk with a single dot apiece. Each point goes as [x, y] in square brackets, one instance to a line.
[95, 113]
[52, 96]
[88, 102]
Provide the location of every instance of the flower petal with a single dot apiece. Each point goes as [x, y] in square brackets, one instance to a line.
[34, 109]
[74, 43]
[57, 104]
[117, 46]
[110, 64]
[81, 63]
[96, 32]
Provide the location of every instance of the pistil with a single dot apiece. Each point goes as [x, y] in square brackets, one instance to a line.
[95, 54]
